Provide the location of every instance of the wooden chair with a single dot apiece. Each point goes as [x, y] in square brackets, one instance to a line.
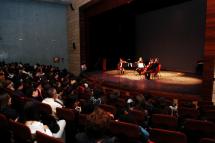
[167, 136]
[43, 138]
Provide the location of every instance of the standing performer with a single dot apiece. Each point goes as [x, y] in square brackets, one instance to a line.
[121, 68]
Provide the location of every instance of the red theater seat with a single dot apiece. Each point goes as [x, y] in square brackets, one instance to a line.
[126, 132]
[207, 140]
[21, 132]
[197, 129]
[167, 136]
[164, 121]
[43, 138]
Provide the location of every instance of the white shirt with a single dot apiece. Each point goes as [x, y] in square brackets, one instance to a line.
[51, 102]
[38, 126]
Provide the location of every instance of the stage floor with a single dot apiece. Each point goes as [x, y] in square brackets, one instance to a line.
[169, 81]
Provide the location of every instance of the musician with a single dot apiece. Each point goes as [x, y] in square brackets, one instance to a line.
[121, 68]
[140, 65]
[151, 67]
[140, 60]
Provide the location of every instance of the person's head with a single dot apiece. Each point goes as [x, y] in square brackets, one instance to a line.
[130, 103]
[52, 93]
[31, 111]
[5, 99]
[2, 77]
[140, 59]
[8, 84]
[98, 122]
[18, 85]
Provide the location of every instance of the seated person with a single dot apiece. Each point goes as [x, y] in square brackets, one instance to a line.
[46, 124]
[53, 100]
[140, 65]
[97, 125]
[155, 64]
[32, 119]
[5, 106]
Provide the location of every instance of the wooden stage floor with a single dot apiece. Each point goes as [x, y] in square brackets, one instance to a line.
[169, 81]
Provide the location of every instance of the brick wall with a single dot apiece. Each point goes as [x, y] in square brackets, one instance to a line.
[74, 36]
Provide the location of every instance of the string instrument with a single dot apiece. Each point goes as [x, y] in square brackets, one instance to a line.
[147, 67]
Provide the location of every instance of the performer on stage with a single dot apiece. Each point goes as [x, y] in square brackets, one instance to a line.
[140, 65]
[121, 68]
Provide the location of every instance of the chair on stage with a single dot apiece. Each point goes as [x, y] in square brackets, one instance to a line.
[156, 73]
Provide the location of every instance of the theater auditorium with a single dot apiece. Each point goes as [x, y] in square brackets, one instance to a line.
[107, 71]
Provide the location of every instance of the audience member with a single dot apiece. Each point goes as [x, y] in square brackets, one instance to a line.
[53, 100]
[5, 106]
[97, 123]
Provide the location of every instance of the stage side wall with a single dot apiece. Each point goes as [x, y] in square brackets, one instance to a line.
[174, 34]
[33, 32]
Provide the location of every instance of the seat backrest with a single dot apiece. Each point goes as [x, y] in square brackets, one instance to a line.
[108, 108]
[164, 121]
[21, 132]
[123, 129]
[204, 103]
[199, 126]
[82, 119]
[208, 115]
[44, 108]
[65, 113]
[207, 140]
[138, 116]
[185, 112]
[3, 121]
[167, 136]
[43, 138]
[5, 133]
[197, 129]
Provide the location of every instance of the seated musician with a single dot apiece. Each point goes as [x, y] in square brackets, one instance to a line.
[121, 67]
[148, 69]
[151, 67]
[140, 65]
[155, 65]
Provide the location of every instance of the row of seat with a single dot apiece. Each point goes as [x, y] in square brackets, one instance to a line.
[21, 133]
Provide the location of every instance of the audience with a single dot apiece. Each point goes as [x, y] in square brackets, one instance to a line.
[59, 88]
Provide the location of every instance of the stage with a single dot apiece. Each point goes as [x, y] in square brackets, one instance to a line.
[169, 82]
